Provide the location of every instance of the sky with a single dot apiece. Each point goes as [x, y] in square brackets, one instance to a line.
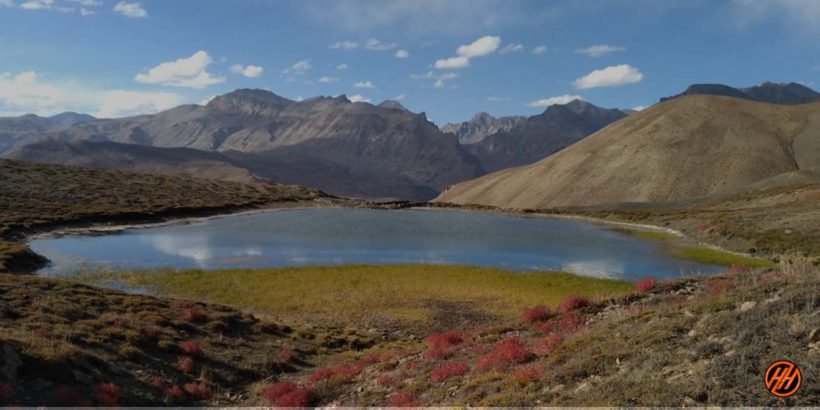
[449, 59]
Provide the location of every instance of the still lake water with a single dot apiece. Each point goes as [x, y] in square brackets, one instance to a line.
[364, 236]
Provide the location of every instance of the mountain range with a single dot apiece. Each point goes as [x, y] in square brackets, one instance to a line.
[385, 151]
[683, 148]
[773, 93]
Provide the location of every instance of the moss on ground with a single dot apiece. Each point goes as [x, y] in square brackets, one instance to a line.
[404, 293]
[718, 257]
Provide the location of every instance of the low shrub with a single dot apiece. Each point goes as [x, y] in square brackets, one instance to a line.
[448, 370]
[343, 372]
[505, 353]
[438, 353]
[176, 392]
[547, 345]
[535, 314]
[190, 348]
[185, 364]
[572, 303]
[285, 356]
[719, 286]
[301, 397]
[644, 285]
[403, 399]
[6, 391]
[198, 389]
[385, 380]
[273, 392]
[108, 394]
[192, 315]
[571, 322]
[66, 397]
[158, 382]
[444, 339]
[738, 270]
[529, 373]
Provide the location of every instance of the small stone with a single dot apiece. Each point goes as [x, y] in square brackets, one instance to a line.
[747, 306]
[692, 333]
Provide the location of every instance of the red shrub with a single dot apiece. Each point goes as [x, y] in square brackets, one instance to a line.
[158, 382]
[150, 332]
[273, 392]
[413, 364]
[42, 333]
[448, 370]
[108, 394]
[719, 286]
[185, 364]
[6, 391]
[547, 327]
[402, 399]
[546, 346]
[65, 397]
[572, 303]
[119, 323]
[438, 353]
[377, 357]
[738, 270]
[192, 315]
[444, 339]
[190, 348]
[535, 314]
[301, 397]
[180, 304]
[385, 380]
[572, 322]
[644, 285]
[285, 356]
[177, 392]
[528, 374]
[342, 372]
[198, 389]
[506, 352]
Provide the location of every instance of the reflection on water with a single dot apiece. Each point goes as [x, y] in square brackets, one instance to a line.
[337, 236]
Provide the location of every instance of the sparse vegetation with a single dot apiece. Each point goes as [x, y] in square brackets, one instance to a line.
[718, 257]
[419, 294]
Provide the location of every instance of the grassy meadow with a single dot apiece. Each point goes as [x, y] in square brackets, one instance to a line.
[361, 293]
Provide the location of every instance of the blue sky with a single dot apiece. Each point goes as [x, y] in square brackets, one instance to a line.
[449, 59]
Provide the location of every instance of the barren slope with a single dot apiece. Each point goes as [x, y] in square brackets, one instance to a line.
[684, 148]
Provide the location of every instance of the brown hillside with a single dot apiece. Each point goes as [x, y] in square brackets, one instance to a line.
[680, 149]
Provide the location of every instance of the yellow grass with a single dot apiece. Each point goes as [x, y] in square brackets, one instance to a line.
[353, 292]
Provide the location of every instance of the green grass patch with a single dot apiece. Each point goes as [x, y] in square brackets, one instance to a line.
[654, 235]
[718, 257]
[356, 292]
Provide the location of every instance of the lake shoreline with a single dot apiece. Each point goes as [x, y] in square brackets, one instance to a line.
[180, 218]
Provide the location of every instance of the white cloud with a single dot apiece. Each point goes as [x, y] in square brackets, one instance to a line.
[481, 47]
[539, 50]
[376, 45]
[25, 93]
[561, 99]
[133, 10]
[298, 68]
[86, 12]
[364, 84]
[7, 3]
[122, 103]
[250, 71]
[440, 78]
[399, 97]
[452, 63]
[598, 50]
[495, 99]
[612, 76]
[344, 45]
[358, 98]
[511, 48]
[327, 79]
[402, 54]
[37, 4]
[88, 3]
[342, 66]
[639, 107]
[185, 72]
